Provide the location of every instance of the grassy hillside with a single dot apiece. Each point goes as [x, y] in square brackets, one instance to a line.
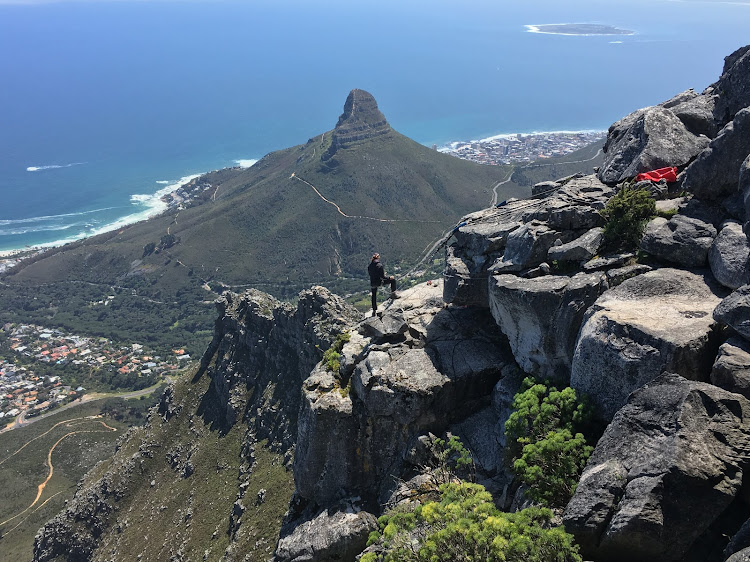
[81, 443]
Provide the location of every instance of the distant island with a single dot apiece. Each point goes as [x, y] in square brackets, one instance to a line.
[578, 29]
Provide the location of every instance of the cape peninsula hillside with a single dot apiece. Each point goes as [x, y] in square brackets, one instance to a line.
[641, 449]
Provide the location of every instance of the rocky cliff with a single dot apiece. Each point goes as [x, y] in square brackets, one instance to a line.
[657, 336]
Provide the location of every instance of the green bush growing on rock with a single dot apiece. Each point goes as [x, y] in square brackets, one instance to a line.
[466, 525]
[547, 451]
[332, 355]
[627, 214]
[453, 460]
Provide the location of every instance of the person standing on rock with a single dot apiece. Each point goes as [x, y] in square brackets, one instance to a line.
[379, 278]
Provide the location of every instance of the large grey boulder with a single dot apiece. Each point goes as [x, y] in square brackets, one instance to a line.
[526, 247]
[668, 465]
[355, 426]
[582, 248]
[541, 318]
[731, 369]
[714, 173]
[696, 111]
[681, 240]
[734, 311]
[741, 556]
[733, 87]
[729, 255]
[647, 139]
[329, 535]
[656, 322]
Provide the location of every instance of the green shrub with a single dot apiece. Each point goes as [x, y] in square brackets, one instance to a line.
[332, 355]
[452, 460]
[627, 214]
[466, 525]
[546, 449]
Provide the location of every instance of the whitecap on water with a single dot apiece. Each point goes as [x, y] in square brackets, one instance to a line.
[53, 166]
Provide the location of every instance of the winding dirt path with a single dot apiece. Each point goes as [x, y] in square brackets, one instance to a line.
[50, 466]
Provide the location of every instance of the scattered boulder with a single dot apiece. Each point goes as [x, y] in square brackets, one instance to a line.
[681, 240]
[645, 140]
[541, 318]
[329, 535]
[696, 111]
[714, 173]
[655, 322]
[734, 311]
[729, 256]
[582, 248]
[606, 262]
[731, 369]
[668, 465]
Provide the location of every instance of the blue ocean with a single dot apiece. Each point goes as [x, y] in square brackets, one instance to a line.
[103, 104]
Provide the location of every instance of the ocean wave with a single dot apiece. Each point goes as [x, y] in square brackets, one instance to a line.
[42, 228]
[245, 162]
[577, 29]
[45, 218]
[164, 182]
[53, 166]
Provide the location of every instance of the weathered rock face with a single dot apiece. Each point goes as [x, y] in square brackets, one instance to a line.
[729, 256]
[681, 240]
[733, 87]
[519, 235]
[361, 120]
[656, 322]
[667, 466]
[541, 318]
[647, 139]
[715, 172]
[581, 249]
[270, 346]
[339, 534]
[352, 440]
[744, 185]
[731, 369]
[734, 311]
[696, 111]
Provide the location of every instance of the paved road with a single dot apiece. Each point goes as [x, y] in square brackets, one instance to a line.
[21, 420]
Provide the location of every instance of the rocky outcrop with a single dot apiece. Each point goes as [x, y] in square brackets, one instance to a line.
[732, 89]
[696, 111]
[731, 370]
[337, 534]
[681, 240]
[666, 467]
[729, 255]
[581, 249]
[519, 235]
[645, 140]
[656, 322]
[714, 174]
[734, 311]
[541, 318]
[356, 425]
[360, 121]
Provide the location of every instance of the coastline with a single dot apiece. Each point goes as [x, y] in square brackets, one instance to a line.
[155, 204]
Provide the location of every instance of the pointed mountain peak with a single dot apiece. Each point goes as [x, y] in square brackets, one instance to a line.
[361, 108]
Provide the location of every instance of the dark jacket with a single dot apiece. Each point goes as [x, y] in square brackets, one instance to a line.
[377, 272]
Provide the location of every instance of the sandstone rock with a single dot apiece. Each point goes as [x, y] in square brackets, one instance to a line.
[696, 113]
[541, 318]
[655, 322]
[729, 255]
[741, 556]
[465, 280]
[739, 542]
[581, 249]
[606, 262]
[744, 185]
[714, 173]
[645, 140]
[619, 274]
[502, 397]
[666, 467]
[710, 212]
[669, 205]
[681, 240]
[733, 87]
[337, 535]
[734, 311]
[526, 247]
[352, 441]
[544, 188]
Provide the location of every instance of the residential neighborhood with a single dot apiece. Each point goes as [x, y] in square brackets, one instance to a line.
[32, 355]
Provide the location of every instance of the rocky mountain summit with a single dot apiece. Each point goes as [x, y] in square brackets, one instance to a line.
[657, 336]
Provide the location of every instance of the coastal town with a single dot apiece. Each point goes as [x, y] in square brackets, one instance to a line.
[521, 148]
[31, 355]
